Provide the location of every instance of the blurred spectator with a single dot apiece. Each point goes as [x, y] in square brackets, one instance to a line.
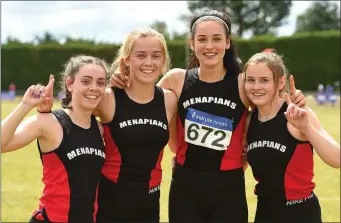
[61, 95]
[320, 96]
[327, 95]
[269, 50]
[330, 94]
[12, 91]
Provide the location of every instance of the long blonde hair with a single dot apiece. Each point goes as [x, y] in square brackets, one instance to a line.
[127, 45]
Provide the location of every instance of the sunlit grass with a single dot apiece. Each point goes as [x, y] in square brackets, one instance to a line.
[22, 172]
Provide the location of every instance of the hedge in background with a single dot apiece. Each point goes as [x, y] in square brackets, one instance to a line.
[29, 65]
[312, 58]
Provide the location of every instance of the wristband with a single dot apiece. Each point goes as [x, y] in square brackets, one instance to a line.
[44, 112]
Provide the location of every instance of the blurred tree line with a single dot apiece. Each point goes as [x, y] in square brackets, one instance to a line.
[255, 17]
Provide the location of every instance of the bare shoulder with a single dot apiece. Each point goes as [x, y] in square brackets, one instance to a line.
[173, 80]
[176, 73]
[50, 126]
[106, 108]
[46, 119]
[173, 76]
[170, 97]
[40, 121]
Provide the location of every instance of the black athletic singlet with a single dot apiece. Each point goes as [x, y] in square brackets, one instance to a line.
[210, 124]
[129, 190]
[71, 174]
[135, 139]
[208, 179]
[282, 165]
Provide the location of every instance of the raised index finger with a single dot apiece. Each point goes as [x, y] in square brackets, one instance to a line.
[122, 68]
[292, 85]
[50, 85]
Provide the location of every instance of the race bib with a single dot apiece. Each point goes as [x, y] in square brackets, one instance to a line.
[207, 130]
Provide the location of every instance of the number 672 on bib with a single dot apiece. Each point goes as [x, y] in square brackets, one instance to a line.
[207, 130]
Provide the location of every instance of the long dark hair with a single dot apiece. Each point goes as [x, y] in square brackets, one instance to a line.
[231, 61]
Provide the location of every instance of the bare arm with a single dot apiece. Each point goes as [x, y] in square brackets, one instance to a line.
[326, 147]
[173, 140]
[106, 108]
[173, 81]
[26, 132]
[15, 134]
[306, 122]
[171, 102]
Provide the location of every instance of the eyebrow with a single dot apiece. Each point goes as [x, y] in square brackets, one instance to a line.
[92, 77]
[213, 35]
[259, 77]
[145, 52]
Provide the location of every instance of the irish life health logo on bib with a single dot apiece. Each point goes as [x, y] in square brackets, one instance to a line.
[207, 130]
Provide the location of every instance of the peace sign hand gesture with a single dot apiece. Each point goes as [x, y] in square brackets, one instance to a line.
[296, 96]
[296, 116]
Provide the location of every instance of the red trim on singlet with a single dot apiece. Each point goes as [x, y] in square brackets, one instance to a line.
[112, 164]
[38, 216]
[299, 173]
[254, 190]
[181, 151]
[232, 158]
[156, 174]
[56, 194]
[95, 205]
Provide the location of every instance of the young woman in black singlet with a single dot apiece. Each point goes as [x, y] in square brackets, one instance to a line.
[280, 142]
[136, 131]
[69, 141]
[208, 178]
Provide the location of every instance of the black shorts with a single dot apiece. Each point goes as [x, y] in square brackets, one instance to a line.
[34, 220]
[294, 211]
[43, 214]
[120, 204]
[207, 196]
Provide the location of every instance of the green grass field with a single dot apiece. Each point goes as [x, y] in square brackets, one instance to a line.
[22, 172]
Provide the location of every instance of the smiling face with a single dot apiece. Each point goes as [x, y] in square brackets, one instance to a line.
[260, 84]
[210, 42]
[88, 86]
[146, 60]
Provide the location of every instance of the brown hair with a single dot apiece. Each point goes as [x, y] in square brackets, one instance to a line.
[71, 68]
[275, 63]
